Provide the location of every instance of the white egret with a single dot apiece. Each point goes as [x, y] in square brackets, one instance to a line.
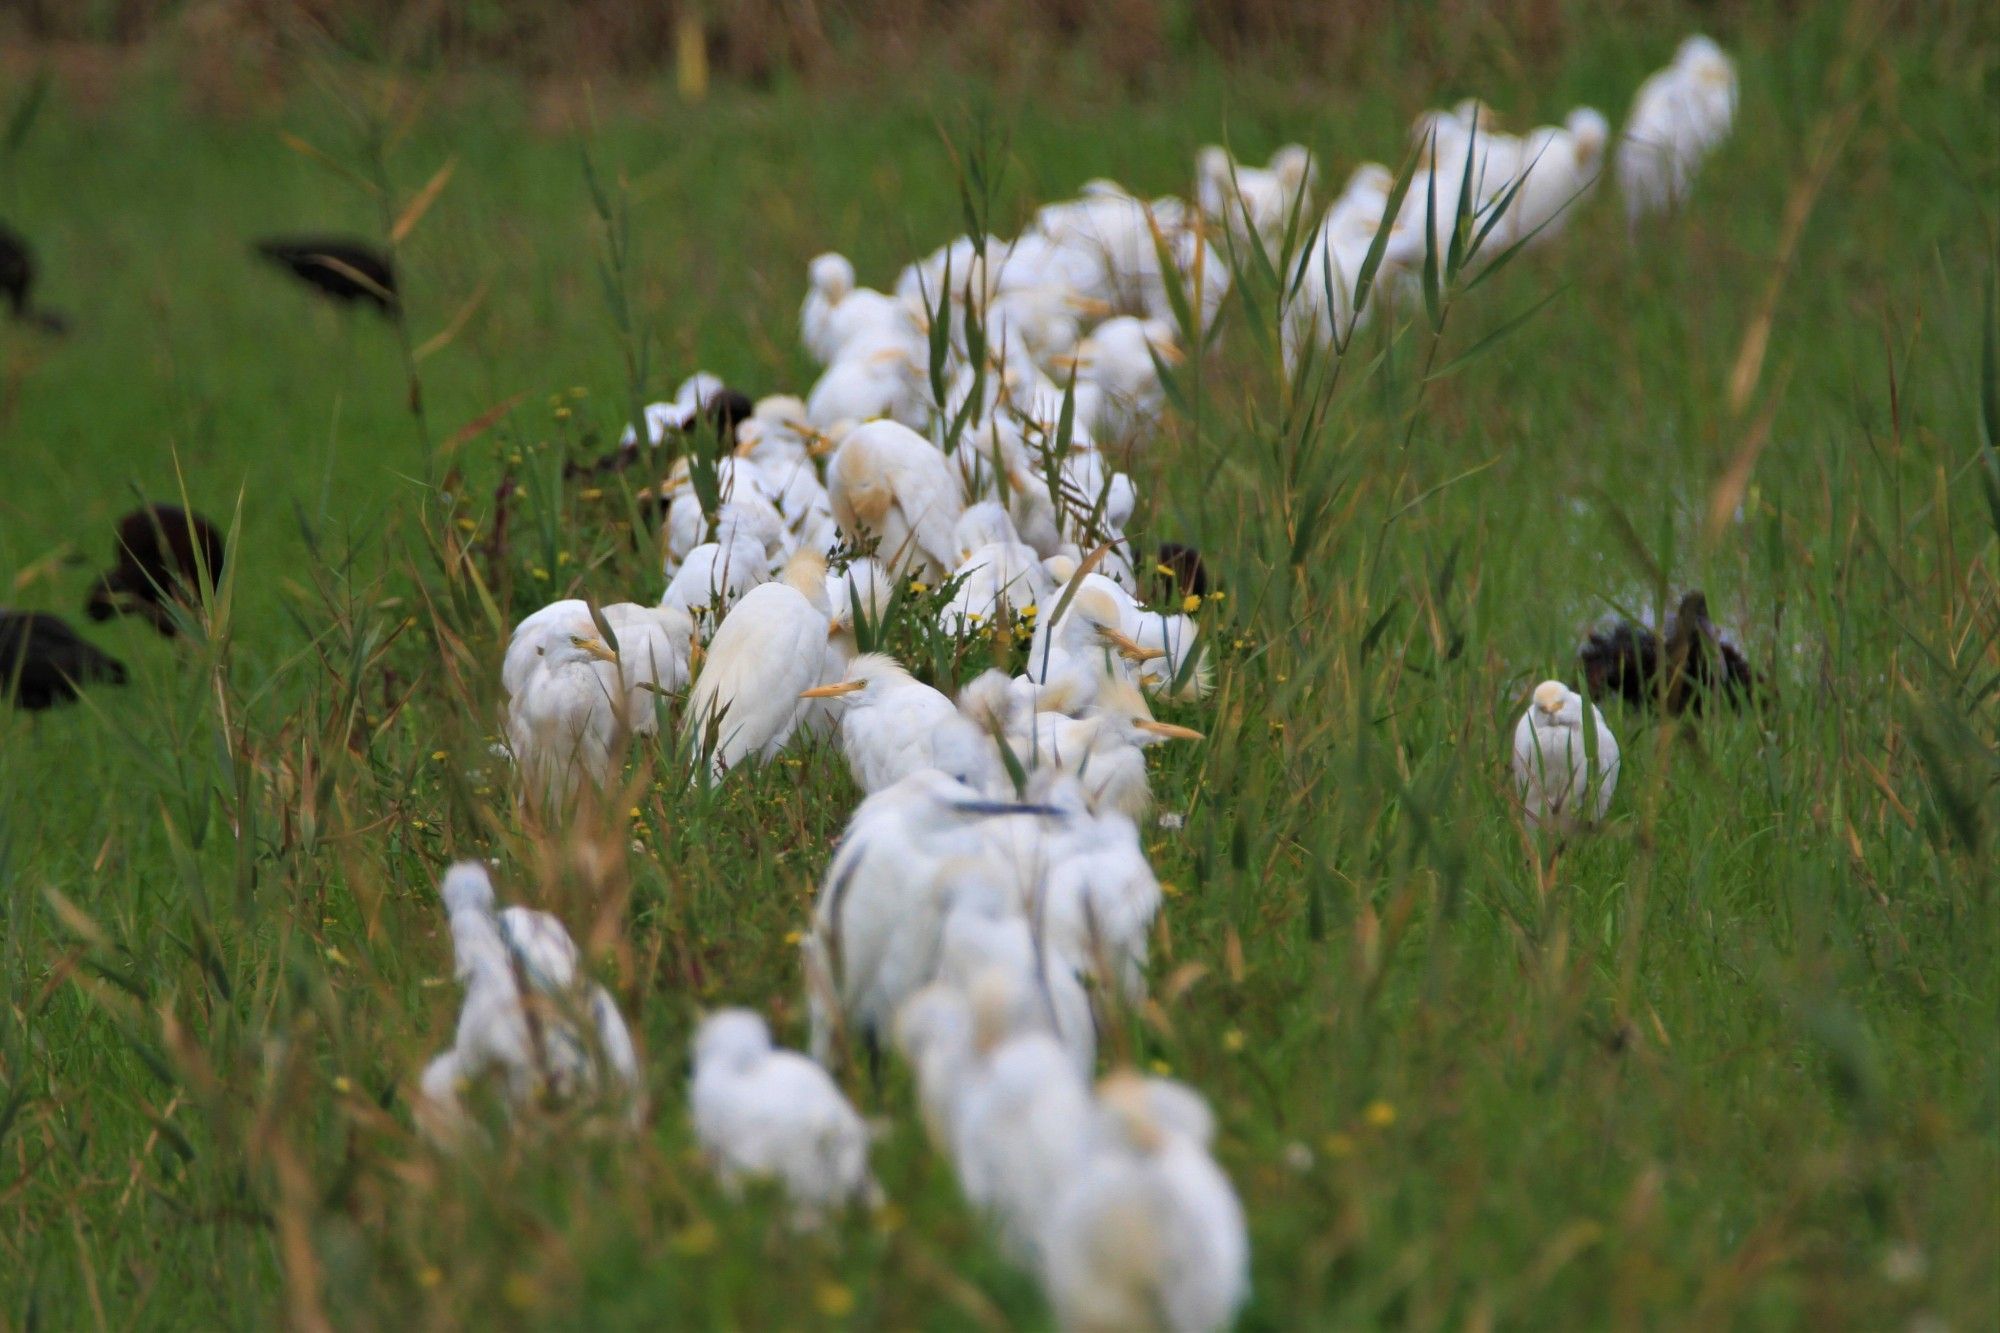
[1255, 203]
[889, 484]
[889, 720]
[575, 700]
[1149, 1233]
[997, 572]
[877, 921]
[770, 647]
[1555, 772]
[531, 1022]
[714, 578]
[1104, 750]
[986, 929]
[1023, 1120]
[761, 1113]
[1678, 117]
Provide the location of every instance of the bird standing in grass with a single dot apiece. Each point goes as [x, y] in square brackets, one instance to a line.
[532, 1022]
[341, 270]
[769, 649]
[164, 552]
[890, 485]
[1563, 777]
[1149, 1235]
[17, 284]
[574, 699]
[891, 723]
[1694, 663]
[1678, 117]
[761, 1113]
[43, 662]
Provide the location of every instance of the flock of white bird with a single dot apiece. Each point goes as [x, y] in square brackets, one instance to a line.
[989, 903]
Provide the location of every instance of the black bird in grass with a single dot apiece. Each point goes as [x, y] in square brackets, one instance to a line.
[43, 662]
[160, 553]
[1681, 669]
[17, 283]
[342, 270]
[1178, 572]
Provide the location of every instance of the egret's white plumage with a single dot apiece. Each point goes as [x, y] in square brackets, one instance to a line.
[877, 922]
[532, 1023]
[770, 648]
[1554, 773]
[1023, 1117]
[573, 700]
[890, 722]
[1149, 1234]
[761, 1113]
[1678, 117]
[889, 484]
[715, 577]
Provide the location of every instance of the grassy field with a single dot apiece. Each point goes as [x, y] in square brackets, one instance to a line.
[1729, 1063]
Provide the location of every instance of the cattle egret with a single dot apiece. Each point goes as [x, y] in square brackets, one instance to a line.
[889, 720]
[714, 578]
[997, 573]
[43, 662]
[761, 1113]
[1149, 1234]
[573, 699]
[532, 1022]
[888, 484]
[769, 648]
[1099, 898]
[877, 922]
[1023, 1120]
[1559, 167]
[1254, 203]
[987, 929]
[1678, 117]
[874, 380]
[1555, 769]
[1104, 750]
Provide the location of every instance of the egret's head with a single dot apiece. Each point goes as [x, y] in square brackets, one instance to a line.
[782, 409]
[586, 648]
[731, 1037]
[1555, 705]
[983, 524]
[1697, 49]
[868, 677]
[1293, 166]
[467, 888]
[832, 276]
[1372, 177]
[1591, 132]
[1128, 1110]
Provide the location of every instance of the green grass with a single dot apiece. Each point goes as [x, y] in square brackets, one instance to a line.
[1730, 1062]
